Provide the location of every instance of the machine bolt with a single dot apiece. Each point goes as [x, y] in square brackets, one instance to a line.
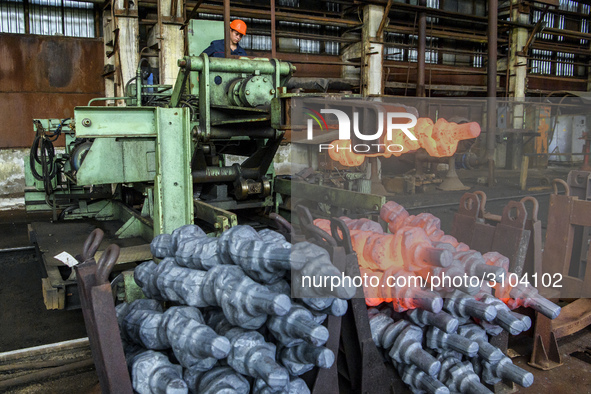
[272, 91]
[265, 80]
[247, 92]
[86, 122]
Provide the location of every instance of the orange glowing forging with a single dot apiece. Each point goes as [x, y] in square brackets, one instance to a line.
[439, 140]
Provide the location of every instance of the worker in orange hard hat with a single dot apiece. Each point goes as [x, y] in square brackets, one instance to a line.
[237, 31]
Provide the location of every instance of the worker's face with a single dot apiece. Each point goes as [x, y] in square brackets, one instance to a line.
[235, 37]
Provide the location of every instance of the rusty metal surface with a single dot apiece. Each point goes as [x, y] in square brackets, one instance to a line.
[367, 372]
[45, 77]
[308, 65]
[564, 214]
[545, 354]
[466, 217]
[533, 258]
[511, 239]
[100, 318]
[468, 225]
[573, 317]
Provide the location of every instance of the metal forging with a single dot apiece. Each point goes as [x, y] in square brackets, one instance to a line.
[460, 377]
[505, 369]
[440, 340]
[318, 273]
[161, 246]
[186, 232]
[512, 322]
[265, 262]
[409, 247]
[407, 349]
[269, 235]
[220, 379]
[194, 344]
[168, 281]
[152, 372]
[528, 296]
[403, 341]
[419, 380]
[441, 320]
[475, 265]
[252, 356]
[198, 253]
[244, 302]
[295, 386]
[459, 304]
[478, 335]
[297, 326]
[303, 357]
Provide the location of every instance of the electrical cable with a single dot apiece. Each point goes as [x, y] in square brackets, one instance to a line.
[43, 153]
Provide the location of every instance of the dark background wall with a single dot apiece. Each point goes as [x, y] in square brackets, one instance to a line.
[45, 77]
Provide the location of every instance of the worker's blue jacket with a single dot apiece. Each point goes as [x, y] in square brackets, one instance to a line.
[217, 49]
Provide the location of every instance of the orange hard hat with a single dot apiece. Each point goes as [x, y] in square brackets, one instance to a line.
[239, 26]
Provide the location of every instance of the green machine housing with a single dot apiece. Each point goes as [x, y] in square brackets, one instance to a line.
[166, 149]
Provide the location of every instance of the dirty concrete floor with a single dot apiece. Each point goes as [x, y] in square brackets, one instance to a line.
[24, 321]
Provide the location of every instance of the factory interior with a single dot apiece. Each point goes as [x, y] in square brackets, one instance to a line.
[194, 197]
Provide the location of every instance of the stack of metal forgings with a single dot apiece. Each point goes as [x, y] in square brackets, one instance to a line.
[436, 333]
[233, 326]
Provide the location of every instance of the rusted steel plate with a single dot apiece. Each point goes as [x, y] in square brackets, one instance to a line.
[535, 82]
[581, 213]
[19, 109]
[559, 237]
[545, 354]
[100, 319]
[33, 63]
[573, 317]
[464, 220]
[533, 258]
[511, 239]
[579, 183]
[45, 77]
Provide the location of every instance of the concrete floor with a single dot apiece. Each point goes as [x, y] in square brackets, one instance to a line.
[25, 323]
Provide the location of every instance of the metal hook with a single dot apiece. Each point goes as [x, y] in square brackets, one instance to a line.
[535, 208]
[92, 243]
[482, 197]
[555, 183]
[106, 263]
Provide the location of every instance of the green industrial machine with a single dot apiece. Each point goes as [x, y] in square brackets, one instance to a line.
[167, 158]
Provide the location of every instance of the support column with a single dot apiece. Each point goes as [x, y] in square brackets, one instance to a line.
[121, 30]
[421, 48]
[491, 129]
[169, 39]
[517, 85]
[372, 54]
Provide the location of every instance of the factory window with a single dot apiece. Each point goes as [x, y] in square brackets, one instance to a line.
[568, 5]
[394, 53]
[478, 57]
[564, 65]
[586, 9]
[12, 19]
[540, 63]
[48, 17]
[548, 20]
[432, 4]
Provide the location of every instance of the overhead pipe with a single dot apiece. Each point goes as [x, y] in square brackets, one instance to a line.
[493, 8]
